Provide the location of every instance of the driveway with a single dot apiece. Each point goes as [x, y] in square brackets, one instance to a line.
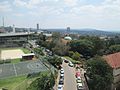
[69, 77]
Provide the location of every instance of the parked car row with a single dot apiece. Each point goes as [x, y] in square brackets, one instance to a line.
[79, 81]
[61, 80]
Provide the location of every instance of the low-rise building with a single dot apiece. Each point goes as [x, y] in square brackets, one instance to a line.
[114, 61]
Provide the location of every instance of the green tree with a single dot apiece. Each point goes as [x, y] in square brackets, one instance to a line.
[44, 82]
[100, 74]
[55, 61]
[84, 47]
[114, 48]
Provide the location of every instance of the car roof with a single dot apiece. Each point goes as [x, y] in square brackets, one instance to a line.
[80, 84]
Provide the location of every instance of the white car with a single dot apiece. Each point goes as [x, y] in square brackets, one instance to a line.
[79, 86]
[60, 87]
[70, 64]
[79, 80]
[62, 71]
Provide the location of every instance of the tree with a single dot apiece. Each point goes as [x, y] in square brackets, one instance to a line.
[60, 48]
[100, 74]
[55, 61]
[84, 47]
[44, 82]
[74, 55]
[114, 48]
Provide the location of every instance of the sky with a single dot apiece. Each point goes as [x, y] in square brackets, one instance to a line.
[77, 14]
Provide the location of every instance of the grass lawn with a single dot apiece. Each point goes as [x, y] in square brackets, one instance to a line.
[15, 60]
[72, 60]
[18, 83]
[25, 50]
[10, 83]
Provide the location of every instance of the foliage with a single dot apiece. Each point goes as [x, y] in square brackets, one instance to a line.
[60, 48]
[55, 61]
[83, 47]
[39, 51]
[74, 55]
[114, 48]
[44, 82]
[100, 74]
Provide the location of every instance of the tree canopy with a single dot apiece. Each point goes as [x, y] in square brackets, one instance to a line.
[44, 82]
[100, 74]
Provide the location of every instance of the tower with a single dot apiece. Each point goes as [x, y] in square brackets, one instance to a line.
[68, 30]
[37, 26]
[13, 28]
[3, 21]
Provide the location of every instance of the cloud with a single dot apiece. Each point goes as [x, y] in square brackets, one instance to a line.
[28, 4]
[70, 2]
[5, 6]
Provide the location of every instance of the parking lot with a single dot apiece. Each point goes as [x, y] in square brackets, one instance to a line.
[22, 68]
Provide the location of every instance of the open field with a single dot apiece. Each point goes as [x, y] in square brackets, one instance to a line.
[10, 83]
[18, 83]
[12, 53]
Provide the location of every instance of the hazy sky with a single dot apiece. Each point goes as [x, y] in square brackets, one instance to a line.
[99, 14]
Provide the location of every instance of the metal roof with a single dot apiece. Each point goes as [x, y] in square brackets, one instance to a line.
[13, 34]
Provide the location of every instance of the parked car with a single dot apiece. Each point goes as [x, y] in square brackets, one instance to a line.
[60, 87]
[79, 80]
[70, 64]
[79, 86]
[62, 71]
[66, 61]
[77, 74]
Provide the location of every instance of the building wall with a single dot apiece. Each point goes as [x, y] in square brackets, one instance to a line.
[116, 75]
[13, 41]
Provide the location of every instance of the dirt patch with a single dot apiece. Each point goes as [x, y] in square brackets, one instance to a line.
[11, 54]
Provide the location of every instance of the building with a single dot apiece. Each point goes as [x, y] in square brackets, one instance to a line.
[68, 38]
[114, 61]
[13, 39]
[29, 56]
[37, 26]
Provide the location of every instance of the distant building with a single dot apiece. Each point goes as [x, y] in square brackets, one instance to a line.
[68, 30]
[37, 26]
[114, 61]
[13, 39]
[2, 30]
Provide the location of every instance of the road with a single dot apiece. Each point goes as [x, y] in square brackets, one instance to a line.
[69, 77]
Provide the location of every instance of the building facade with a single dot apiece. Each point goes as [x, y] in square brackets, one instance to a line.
[114, 61]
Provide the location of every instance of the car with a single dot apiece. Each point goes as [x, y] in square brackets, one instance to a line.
[79, 86]
[78, 77]
[62, 75]
[60, 87]
[77, 74]
[79, 81]
[70, 64]
[66, 61]
[62, 71]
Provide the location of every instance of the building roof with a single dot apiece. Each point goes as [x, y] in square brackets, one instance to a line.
[13, 34]
[113, 60]
[67, 38]
[29, 54]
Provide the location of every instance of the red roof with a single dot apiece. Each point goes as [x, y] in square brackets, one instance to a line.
[113, 60]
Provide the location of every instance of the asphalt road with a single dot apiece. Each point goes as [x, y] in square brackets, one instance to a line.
[69, 77]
